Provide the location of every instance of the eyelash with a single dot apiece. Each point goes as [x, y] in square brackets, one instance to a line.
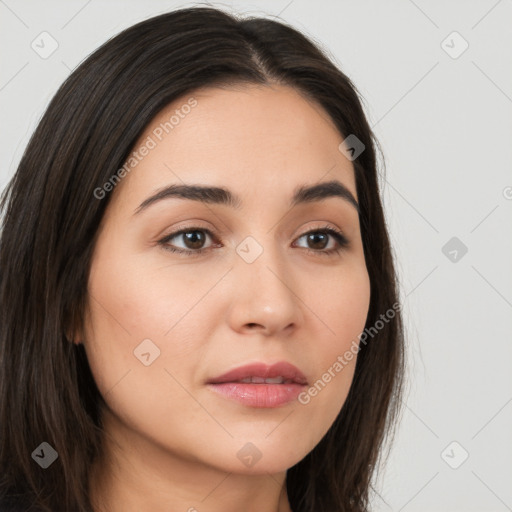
[334, 232]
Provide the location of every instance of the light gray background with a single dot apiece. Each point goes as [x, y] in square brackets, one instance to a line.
[445, 126]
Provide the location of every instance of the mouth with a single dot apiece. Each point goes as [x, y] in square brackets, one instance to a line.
[260, 385]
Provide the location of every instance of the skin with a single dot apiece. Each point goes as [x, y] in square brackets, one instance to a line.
[170, 442]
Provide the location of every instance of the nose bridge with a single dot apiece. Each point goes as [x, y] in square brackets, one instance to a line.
[261, 256]
[265, 294]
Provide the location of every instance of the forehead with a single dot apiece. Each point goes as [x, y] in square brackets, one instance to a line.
[246, 137]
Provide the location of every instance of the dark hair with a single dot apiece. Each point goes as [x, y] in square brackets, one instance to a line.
[50, 225]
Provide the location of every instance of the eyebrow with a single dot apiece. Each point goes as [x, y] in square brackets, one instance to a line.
[223, 196]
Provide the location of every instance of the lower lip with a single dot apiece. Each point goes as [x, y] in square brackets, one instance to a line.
[259, 395]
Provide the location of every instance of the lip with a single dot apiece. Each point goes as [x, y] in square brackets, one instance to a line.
[264, 395]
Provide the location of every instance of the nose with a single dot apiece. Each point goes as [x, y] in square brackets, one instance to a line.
[265, 297]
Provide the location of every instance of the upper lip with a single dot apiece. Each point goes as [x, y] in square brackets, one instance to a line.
[281, 369]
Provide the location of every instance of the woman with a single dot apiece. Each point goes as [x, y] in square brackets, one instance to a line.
[198, 299]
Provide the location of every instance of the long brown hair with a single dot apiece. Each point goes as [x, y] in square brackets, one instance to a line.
[50, 224]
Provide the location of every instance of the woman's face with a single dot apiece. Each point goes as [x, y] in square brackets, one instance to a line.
[250, 286]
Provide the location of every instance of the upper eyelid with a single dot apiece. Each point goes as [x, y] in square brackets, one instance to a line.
[180, 231]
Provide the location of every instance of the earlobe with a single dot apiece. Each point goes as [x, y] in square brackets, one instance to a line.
[73, 334]
[72, 338]
[79, 325]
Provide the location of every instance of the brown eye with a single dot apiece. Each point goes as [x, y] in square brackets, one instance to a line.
[318, 241]
[187, 240]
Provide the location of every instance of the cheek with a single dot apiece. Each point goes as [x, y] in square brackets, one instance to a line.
[143, 311]
[342, 306]
[136, 317]
[143, 295]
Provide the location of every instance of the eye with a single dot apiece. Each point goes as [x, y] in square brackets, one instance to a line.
[194, 238]
[318, 239]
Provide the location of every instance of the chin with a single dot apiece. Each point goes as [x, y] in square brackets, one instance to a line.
[263, 456]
